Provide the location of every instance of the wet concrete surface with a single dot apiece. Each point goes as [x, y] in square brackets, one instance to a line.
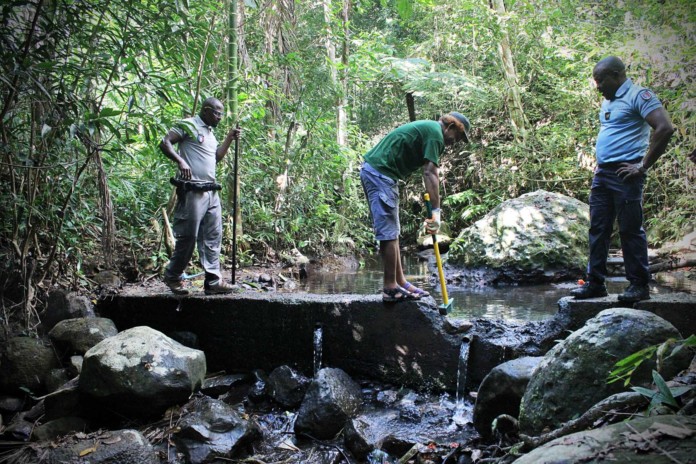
[407, 343]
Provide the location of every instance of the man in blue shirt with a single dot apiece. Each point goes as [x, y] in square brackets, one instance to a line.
[627, 114]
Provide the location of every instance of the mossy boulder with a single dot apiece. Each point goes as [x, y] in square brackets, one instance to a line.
[539, 236]
[573, 375]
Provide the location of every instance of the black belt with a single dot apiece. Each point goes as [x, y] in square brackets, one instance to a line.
[187, 186]
[617, 164]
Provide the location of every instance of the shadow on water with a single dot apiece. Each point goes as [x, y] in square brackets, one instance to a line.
[509, 302]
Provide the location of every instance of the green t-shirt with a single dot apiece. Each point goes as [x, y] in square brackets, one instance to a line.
[406, 148]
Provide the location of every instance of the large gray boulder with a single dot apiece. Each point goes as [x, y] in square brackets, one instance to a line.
[24, 363]
[141, 371]
[332, 398]
[63, 305]
[81, 334]
[572, 376]
[539, 236]
[644, 440]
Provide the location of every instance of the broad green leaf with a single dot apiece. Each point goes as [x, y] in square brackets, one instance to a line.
[662, 387]
[108, 112]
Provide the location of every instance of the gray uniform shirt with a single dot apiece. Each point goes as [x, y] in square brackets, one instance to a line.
[197, 147]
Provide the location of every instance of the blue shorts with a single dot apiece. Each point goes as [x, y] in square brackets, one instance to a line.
[382, 195]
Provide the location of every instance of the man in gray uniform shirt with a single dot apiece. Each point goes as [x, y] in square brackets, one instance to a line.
[198, 214]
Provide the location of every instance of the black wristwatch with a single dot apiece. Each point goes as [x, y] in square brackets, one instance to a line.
[643, 170]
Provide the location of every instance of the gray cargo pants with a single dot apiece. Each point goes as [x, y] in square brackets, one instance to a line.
[197, 220]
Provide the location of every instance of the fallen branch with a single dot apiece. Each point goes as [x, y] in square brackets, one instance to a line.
[619, 401]
[676, 263]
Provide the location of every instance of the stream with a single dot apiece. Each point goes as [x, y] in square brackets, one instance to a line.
[507, 302]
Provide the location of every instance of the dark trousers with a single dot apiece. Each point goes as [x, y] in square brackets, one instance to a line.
[611, 199]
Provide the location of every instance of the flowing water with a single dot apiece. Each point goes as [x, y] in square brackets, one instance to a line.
[461, 370]
[508, 302]
[318, 347]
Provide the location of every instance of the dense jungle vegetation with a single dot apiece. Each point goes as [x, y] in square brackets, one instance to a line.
[89, 87]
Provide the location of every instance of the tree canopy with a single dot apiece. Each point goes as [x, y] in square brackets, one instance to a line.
[89, 87]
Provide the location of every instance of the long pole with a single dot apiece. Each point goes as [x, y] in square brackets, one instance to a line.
[232, 81]
[234, 208]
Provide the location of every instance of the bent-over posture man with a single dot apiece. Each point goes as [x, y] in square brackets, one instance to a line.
[626, 116]
[198, 214]
[406, 149]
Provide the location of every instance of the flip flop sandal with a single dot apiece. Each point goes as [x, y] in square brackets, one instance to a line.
[409, 287]
[394, 295]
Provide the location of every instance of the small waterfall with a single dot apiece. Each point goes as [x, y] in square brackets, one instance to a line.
[318, 342]
[461, 369]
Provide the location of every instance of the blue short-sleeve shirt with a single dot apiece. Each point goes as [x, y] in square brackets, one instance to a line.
[624, 134]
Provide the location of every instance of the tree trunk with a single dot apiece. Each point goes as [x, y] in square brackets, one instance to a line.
[411, 105]
[517, 117]
[232, 107]
[109, 224]
[342, 138]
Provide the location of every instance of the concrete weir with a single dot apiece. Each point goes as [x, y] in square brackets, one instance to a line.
[408, 343]
[403, 343]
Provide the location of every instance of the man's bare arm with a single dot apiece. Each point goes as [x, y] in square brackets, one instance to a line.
[431, 179]
[167, 147]
[221, 151]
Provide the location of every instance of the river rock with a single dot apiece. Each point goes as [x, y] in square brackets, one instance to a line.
[331, 399]
[19, 429]
[63, 305]
[501, 392]
[259, 390]
[68, 401]
[110, 447]
[221, 384]
[79, 335]
[56, 378]
[213, 429]
[405, 421]
[288, 386]
[572, 376]
[108, 279]
[538, 237]
[58, 427]
[24, 363]
[649, 440]
[141, 371]
[11, 404]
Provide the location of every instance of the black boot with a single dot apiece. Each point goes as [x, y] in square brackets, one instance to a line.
[635, 293]
[589, 290]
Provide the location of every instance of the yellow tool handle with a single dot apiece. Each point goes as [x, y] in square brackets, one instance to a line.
[443, 285]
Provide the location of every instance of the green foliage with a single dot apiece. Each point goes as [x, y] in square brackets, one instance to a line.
[624, 369]
[87, 94]
[664, 395]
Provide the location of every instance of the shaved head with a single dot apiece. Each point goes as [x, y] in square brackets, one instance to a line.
[611, 64]
[212, 102]
[211, 111]
[609, 74]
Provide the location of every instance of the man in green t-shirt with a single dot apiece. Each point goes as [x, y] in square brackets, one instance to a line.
[403, 151]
